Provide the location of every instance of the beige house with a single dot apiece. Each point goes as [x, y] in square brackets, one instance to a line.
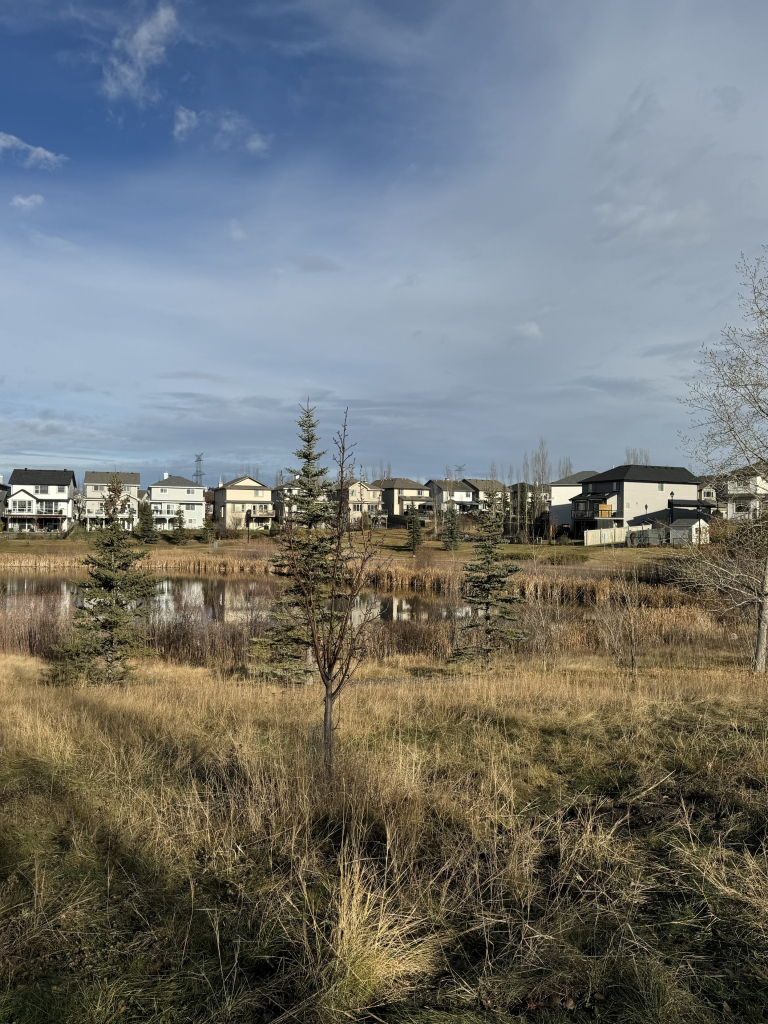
[243, 504]
[364, 499]
[95, 487]
[399, 493]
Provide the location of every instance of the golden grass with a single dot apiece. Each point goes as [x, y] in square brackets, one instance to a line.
[569, 845]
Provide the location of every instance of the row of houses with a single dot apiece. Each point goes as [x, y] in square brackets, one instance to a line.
[39, 500]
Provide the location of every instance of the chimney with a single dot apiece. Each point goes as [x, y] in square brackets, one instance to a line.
[165, 476]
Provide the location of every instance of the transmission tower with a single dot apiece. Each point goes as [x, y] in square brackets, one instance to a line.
[199, 474]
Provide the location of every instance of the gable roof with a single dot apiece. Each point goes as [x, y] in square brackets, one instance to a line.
[91, 477]
[175, 481]
[483, 485]
[240, 479]
[396, 481]
[574, 478]
[646, 475]
[447, 485]
[57, 477]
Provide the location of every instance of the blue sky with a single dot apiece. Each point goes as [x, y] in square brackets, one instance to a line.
[472, 224]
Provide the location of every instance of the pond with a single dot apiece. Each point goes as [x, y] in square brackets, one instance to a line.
[230, 600]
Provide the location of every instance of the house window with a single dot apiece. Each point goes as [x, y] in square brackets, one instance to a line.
[169, 510]
[189, 508]
[62, 490]
[357, 508]
[190, 490]
[660, 486]
[41, 488]
[263, 508]
[708, 494]
[163, 490]
[742, 507]
[21, 506]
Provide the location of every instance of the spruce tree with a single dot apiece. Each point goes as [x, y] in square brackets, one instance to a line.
[414, 528]
[451, 536]
[179, 534]
[108, 630]
[209, 529]
[485, 588]
[145, 527]
[326, 572]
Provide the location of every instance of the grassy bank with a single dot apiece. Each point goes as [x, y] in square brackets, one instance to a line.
[511, 845]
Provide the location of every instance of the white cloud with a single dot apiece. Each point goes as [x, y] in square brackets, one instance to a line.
[27, 202]
[234, 130]
[184, 122]
[236, 232]
[125, 73]
[530, 329]
[30, 156]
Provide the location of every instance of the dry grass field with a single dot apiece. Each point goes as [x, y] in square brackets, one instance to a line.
[575, 844]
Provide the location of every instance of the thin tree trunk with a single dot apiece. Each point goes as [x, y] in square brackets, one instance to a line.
[761, 647]
[328, 729]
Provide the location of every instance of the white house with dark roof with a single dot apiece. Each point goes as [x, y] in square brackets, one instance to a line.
[172, 493]
[632, 496]
[41, 501]
[95, 487]
[482, 488]
[446, 492]
[560, 494]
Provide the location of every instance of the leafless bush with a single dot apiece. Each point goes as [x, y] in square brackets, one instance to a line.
[34, 626]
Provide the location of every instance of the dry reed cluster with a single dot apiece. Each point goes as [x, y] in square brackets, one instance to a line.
[507, 845]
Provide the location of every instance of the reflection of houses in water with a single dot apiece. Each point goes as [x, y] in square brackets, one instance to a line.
[417, 608]
[24, 588]
[234, 600]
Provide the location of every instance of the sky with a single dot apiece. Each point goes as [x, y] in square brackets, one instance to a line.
[470, 224]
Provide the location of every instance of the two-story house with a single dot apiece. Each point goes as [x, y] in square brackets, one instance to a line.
[172, 493]
[41, 500]
[632, 496]
[243, 503]
[560, 494]
[744, 493]
[363, 499]
[481, 489]
[445, 493]
[95, 487]
[399, 493]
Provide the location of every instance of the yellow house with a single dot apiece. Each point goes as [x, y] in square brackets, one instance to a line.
[243, 504]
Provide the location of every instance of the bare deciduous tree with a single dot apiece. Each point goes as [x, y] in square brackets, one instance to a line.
[729, 405]
[637, 457]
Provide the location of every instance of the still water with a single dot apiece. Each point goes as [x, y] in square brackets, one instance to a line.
[230, 599]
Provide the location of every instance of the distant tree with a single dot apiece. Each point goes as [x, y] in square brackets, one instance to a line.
[326, 569]
[145, 526]
[414, 528]
[637, 457]
[108, 629]
[564, 468]
[451, 536]
[485, 587]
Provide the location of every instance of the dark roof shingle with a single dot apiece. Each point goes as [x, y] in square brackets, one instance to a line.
[57, 477]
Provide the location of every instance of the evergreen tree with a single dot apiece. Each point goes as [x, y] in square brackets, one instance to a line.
[145, 527]
[486, 579]
[451, 529]
[326, 571]
[179, 534]
[209, 529]
[414, 528]
[108, 629]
